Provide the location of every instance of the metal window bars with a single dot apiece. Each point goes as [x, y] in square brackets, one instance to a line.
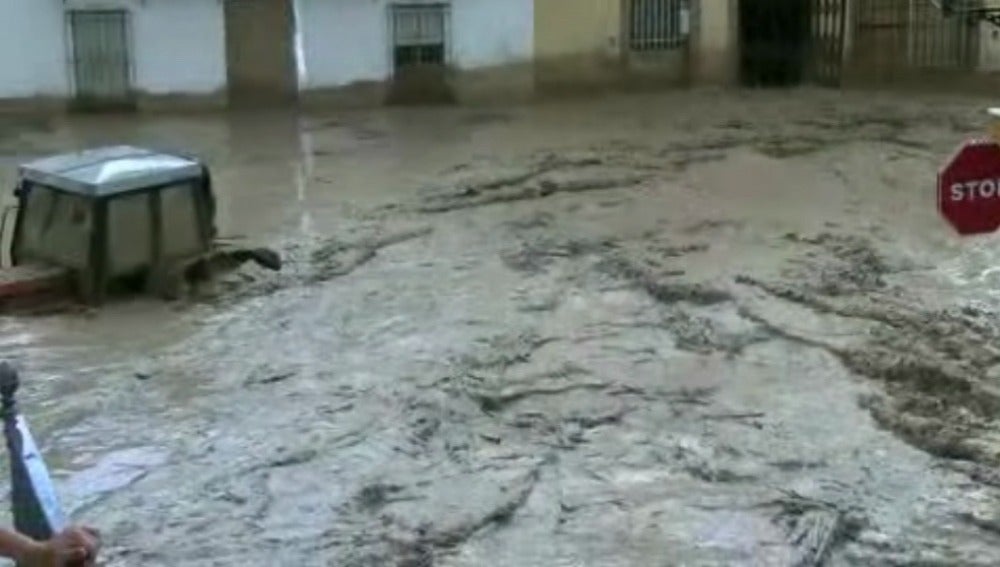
[418, 24]
[658, 25]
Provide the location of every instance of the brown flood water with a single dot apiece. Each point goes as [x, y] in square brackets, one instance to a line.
[696, 328]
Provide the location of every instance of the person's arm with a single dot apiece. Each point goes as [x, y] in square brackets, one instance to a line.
[16, 546]
[72, 546]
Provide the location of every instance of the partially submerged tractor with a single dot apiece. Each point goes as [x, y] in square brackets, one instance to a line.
[96, 221]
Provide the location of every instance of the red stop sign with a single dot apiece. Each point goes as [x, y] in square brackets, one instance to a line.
[969, 188]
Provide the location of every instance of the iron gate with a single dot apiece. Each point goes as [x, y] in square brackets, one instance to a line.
[100, 57]
[827, 28]
[896, 35]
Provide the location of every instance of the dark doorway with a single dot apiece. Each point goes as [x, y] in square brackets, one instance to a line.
[774, 42]
[260, 51]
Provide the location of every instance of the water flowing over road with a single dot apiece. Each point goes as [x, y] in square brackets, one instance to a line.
[696, 328]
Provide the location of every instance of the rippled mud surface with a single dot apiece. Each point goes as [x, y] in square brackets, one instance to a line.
[696, 328]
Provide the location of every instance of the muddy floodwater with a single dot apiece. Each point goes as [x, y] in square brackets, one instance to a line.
[697, 328]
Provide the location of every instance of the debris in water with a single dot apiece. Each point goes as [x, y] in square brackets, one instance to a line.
[815, 528]
[497, 402]
[375, 496]
[295, 458]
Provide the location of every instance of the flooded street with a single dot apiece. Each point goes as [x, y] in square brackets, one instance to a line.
[693, 328]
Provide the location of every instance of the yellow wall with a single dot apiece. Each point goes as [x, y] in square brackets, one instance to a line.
[577, 27]
[579, 43]
[715, 42]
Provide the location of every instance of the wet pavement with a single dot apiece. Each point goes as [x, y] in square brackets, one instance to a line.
[695, 328]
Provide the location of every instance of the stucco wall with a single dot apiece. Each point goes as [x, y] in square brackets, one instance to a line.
[32, 52]
[342, 42]
[178, 46]
[574, 27]
[490, 33]
[715, 42]
[577, 43]
[347, 41]
[583, 44]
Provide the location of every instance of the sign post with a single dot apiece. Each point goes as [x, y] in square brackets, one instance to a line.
[969, 188]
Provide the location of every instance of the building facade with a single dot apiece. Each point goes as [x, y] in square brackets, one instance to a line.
[139, 52]
[111, 51]
[583, 43]
[464, 49]
[142, 52]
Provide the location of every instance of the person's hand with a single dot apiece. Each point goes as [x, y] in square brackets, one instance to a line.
[73, 547]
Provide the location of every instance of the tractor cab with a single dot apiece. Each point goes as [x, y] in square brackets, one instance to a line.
[90, 218]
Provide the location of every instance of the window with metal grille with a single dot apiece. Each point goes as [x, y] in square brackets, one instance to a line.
[419, 33]
[658, 25]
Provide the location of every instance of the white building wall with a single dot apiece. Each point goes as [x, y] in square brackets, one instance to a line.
[343, 41]
[32, 52]
[347, 41]
[178, 46]
[487, 33]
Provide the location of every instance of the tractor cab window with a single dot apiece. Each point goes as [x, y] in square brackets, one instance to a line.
[130, 237]
[181, 232]
[131, 227]
[57, 227]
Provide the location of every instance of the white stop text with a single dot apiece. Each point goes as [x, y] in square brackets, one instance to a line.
[975, 190]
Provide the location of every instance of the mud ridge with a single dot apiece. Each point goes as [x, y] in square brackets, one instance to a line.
[935, 401]
[335, 258]
[941, 436]
[664, 292]
[988, 525]
[547, 163]
[956, 334]
[468, 199]
[498, 516]
[545, 174]
[393, 542]
[497, 402]
[534, 256]
[306, 265]
[851, 265]
[503, 351]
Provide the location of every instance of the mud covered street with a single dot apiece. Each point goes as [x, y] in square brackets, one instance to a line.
[695, 328]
